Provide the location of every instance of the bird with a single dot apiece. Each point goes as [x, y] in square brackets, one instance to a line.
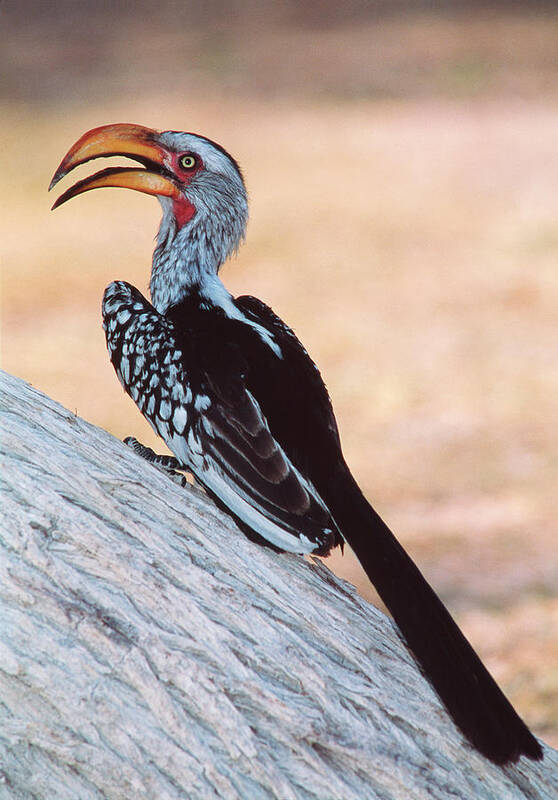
[242, 406]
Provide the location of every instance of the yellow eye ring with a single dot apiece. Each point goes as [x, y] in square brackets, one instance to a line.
[188, 161]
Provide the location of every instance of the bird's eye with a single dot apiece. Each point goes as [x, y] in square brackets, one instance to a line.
[188, 161]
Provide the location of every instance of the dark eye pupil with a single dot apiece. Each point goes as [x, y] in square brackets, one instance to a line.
[188, 162]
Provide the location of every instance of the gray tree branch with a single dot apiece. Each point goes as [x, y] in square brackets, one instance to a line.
[149, 650]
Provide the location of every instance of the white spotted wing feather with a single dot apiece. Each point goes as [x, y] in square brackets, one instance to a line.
[229, 448]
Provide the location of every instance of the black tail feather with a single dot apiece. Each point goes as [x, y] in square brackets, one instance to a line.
[468, 691]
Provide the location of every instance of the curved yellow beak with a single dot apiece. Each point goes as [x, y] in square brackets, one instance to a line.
[133, 141]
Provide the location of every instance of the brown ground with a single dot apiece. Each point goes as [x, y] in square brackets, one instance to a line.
[404, 222]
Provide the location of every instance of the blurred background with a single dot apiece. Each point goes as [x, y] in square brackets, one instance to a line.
[402, 164]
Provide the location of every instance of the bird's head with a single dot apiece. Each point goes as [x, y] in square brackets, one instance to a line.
[198, 184]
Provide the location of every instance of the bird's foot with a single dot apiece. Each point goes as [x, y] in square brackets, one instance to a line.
[168, 464]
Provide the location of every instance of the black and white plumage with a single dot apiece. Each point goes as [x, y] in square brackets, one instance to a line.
[239, 402]
[190, 379]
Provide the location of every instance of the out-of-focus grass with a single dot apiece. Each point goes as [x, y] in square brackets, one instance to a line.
[413, 246]
[72, 51]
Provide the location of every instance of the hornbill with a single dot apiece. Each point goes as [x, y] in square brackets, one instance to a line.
[242, 406]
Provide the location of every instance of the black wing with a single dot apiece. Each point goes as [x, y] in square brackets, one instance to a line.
[190, 383]
[293, 397]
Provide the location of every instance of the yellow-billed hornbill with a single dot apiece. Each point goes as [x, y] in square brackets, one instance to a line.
[237, 399]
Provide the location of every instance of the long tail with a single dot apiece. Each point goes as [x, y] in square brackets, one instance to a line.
[468, 691]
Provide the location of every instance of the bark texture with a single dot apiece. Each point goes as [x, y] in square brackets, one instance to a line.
[149, 650]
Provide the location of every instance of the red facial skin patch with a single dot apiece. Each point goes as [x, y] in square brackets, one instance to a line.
[183, 210]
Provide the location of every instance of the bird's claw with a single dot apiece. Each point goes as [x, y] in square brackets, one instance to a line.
[167, 464]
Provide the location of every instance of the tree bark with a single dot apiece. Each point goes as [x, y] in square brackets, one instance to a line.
[149, 650]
